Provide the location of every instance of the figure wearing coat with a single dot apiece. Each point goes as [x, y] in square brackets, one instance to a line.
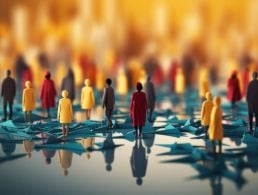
[48, 94]
[180, 82]
[68, 84]
[234, 92]
[252, 96]
[207, 106]
[150, 94]
[87, 96]
[216, 128]
[28, 99]
[138, 108]
[65, 109]
[65, 160]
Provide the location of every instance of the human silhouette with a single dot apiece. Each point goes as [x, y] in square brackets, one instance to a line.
[151, 96]
[149, 141]
[28, 147]
[138, 109]
[139, 161]
[68, 83]
[251, 98]
[28, 101]
[204, 85]
[48, 93]
[109, 151]
[65, 160]
[8, 93]
[108, 101]
[207, 106]
[87, 98]
[234, 92]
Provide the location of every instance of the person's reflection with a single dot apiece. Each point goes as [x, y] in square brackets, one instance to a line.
[65, 160]
[87, 144]
[109, 151]
[216, 185]
[139, 161]
[149, 141]
[47, 153]
[8, 147]
[28, 147]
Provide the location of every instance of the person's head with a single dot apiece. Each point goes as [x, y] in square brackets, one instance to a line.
[48, 161]
[217, 101]
[255, 75]
[64, 93]
[139, 181]
[87, 82]
[234, 74]
[108, 167]
[48, 75]
[65, 172]
[139, 86]
[208, 95]
[108, 81]
[8, 73]
[28, 84]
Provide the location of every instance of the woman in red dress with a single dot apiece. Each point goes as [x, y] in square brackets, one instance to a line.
[234, 92]
[138, 109]
[48, 93]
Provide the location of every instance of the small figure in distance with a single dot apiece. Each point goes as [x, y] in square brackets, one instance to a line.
[48, 93]
[215, 131]
[251, 98]
[65, 112]
[138, 109]
[87, 98]
[8, 93]
[108, 101]
[151, 96]
[234, 92]
[207, 106]
[68, 84]
[28, 101]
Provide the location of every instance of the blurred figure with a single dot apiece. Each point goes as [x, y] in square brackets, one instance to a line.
[109, 151]
[245, 80]
[180, 82]
[149, 141]
[215, 131]
[108, 101]
[100, 80]
[88, 144]
[251, 98]
[158, 76]
[139, 161]
[207, 106]
[28, 147]
[68, 84]
[65, 160]
[122, 84]
[204, 85]
[47, 153]
[65, 112]
[172, 75]
[234, 92]
[48, 93]
[151, 96]
[28, 101]
[87, 98]
[138, 109]
[8, 93]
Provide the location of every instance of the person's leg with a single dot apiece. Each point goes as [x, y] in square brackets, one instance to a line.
[63, 129]
[150, 114]
[233, 105]
[256, 121]
[220, 146]
[25, 116]
[250, 121]
[89, 113]
[29, 116]
[48, 113]
[5, 108]
[206, 131]
[67, 129]
[213, 146]
[136, 131]
[10, 109]
[109, 114]
[140, 130]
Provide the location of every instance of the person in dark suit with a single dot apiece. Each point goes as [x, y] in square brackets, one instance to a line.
[8, 93]
[68, 84]
[251, 97]
[108, 101]
[151, 96]
[139, 161]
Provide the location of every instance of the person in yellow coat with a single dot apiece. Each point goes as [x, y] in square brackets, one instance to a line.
[65, 112]
[216, 129]
[28, 101]
[28, 147]
[207, 106]
[65, 160]
[204, 85]
[87, 98]
[180, 82]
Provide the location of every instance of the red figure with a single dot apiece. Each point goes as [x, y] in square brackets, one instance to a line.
[158, 77]
[48, 93]
[138, 109]
[234, 93]
[172, 75]
[26, 76]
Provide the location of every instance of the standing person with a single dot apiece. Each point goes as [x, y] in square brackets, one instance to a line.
[108, 101]
[65, 112]
[68, 84]
[8, 93]
[48, 93]
[87, 98]
[251, 98]
[216, 129]
[234, 92]
[138, 109]
[207, 106]
[151, 96]
[28, 101]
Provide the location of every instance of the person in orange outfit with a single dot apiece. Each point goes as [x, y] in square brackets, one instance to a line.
[87, 98]
[28, 101]
[207, 106]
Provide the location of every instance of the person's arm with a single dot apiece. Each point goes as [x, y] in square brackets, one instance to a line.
[71, 110]
[248, 93]
[92, 97]
[131, 104]
[104, 98]
[23, 98]
[59, 109]
[42, 91]
[203, 111]
[82, 97]
[2, 89]
[14, 88]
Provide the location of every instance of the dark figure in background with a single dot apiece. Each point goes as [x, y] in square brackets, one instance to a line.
[8, 94]
[109, 151]
[234, 92]
[108, 101]
[151, 96]
[68, 84]
[251, 98]
[48, 93]
[139, 161]
[138, 109]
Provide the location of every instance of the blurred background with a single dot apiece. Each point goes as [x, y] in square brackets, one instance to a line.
[128, 39]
